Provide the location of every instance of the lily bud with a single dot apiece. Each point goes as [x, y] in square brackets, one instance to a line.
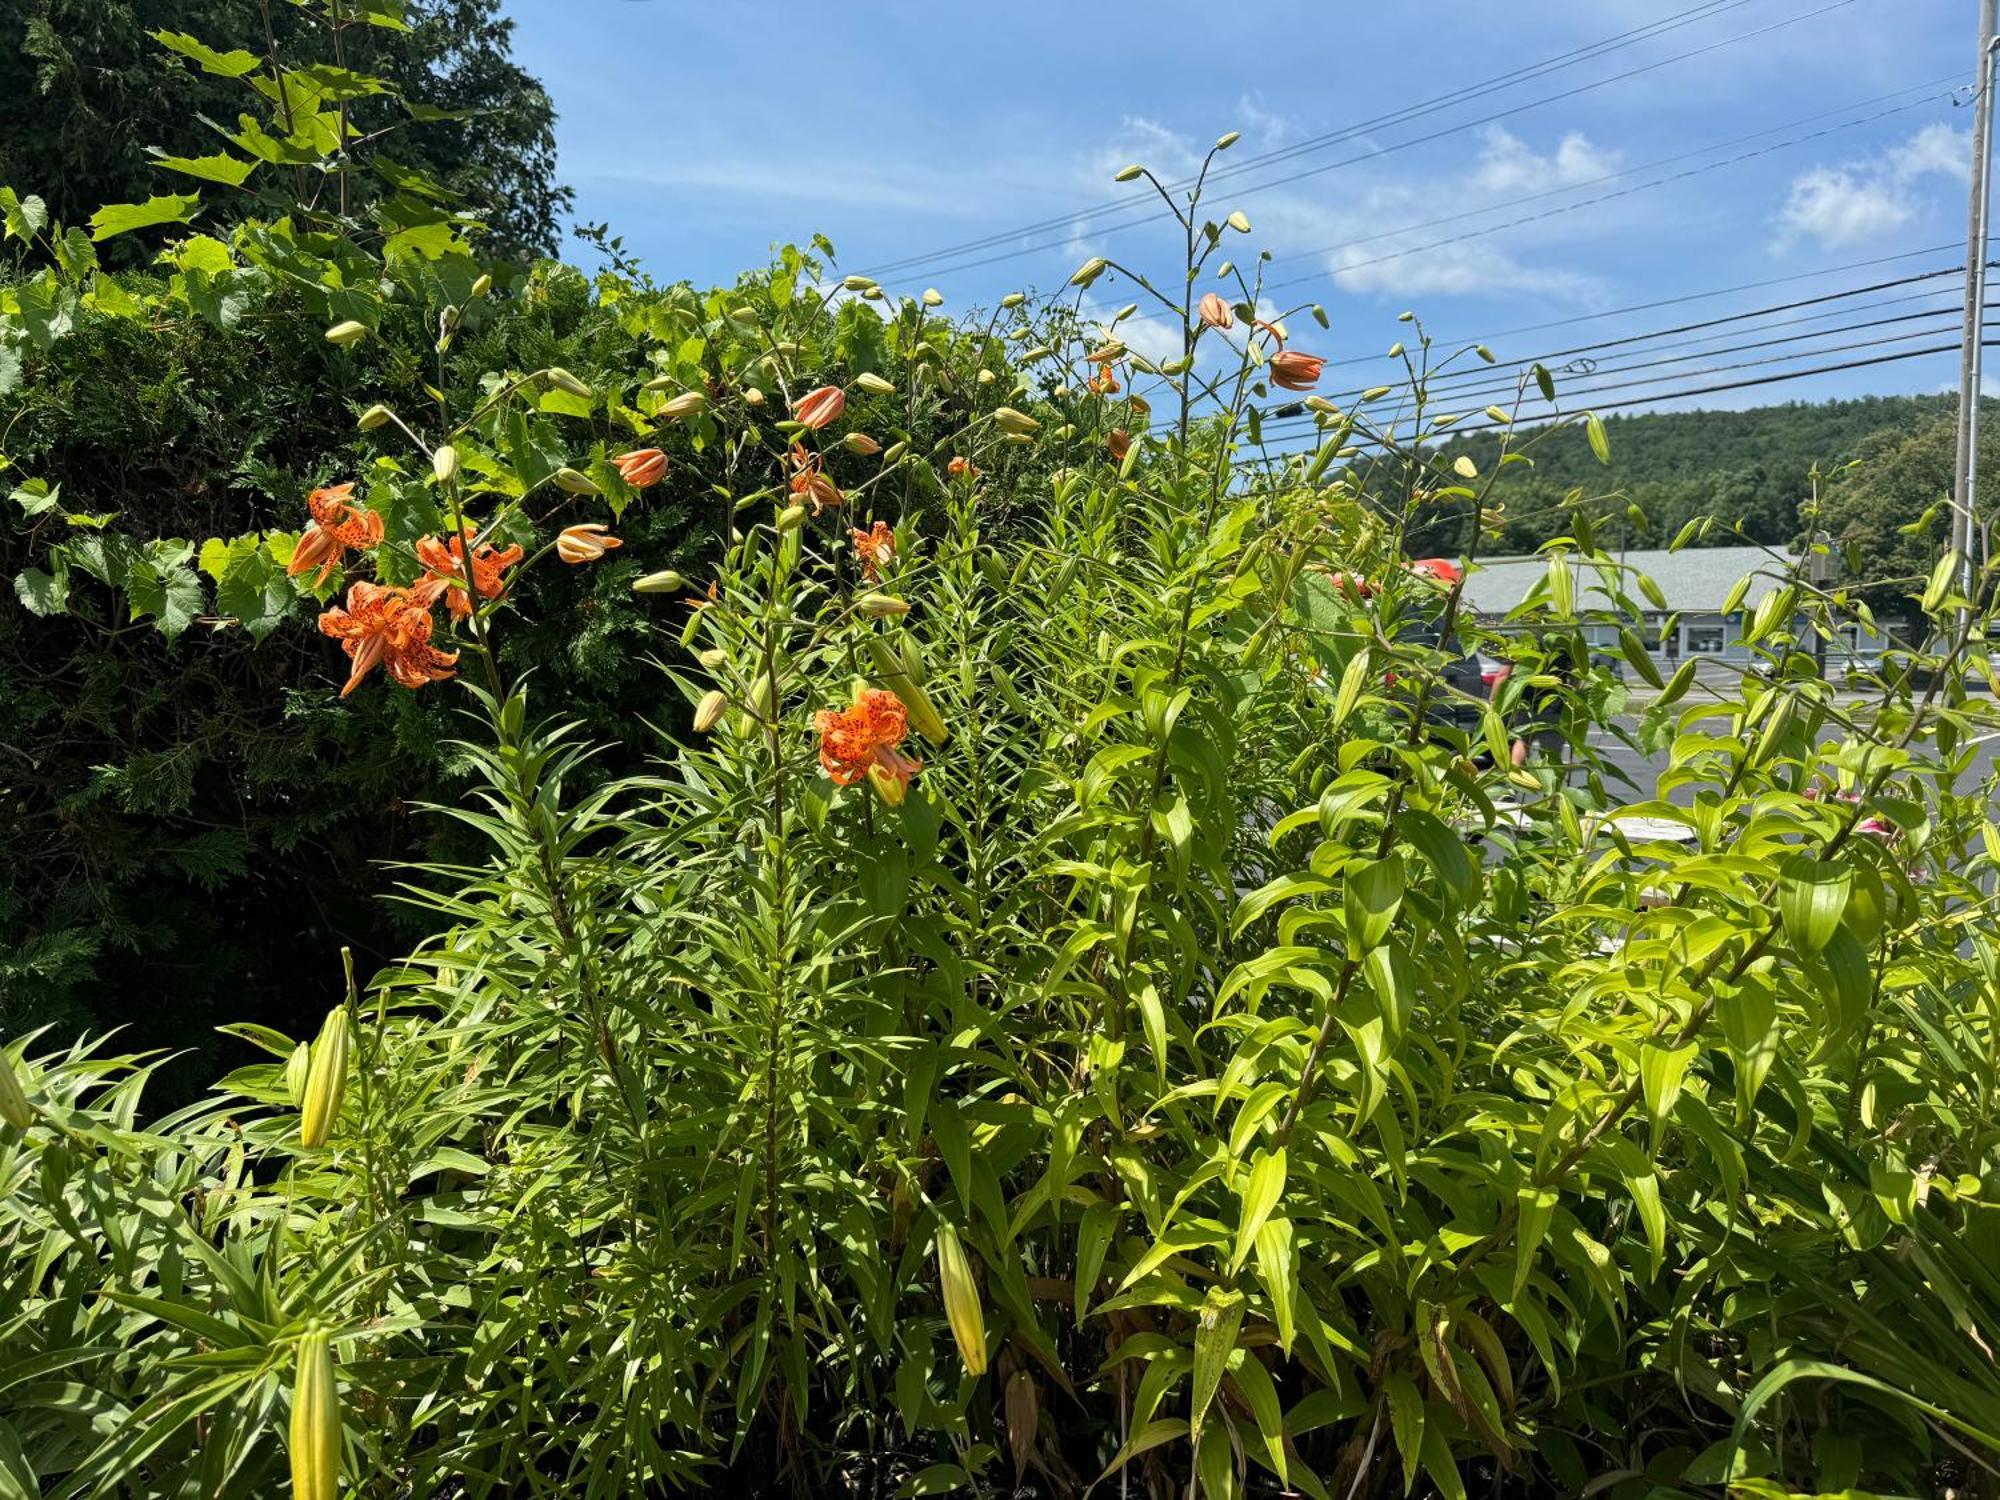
[316, 1426]
[898, 674]
[686, 404]
[1013, 299]
[874, 384]
[326, 1080]
[857, 283]
[372, 418]
[1089, 271]
[708, 713]
[576, 482]
[482, 285]
[1128, 174]
[933, 297]
[642, 468]
[1007, 419]
[563, 380]
[14, 1106]
[861, 443]
[753, 397]
[1240, 222]
[961, 1300]
[881, 606]
[297, 1068]
[714, 658]
[791, 518]
[666, 582]
[1124, 312]
[346, 332]
[1215, 311]
[1228, 140]
[444, 463]
[585, 542]
[817, 409]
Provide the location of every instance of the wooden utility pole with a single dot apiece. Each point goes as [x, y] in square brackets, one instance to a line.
[1965, 479]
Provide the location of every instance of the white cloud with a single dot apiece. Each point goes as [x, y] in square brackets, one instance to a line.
[1508, 164]
[1860, 201]
[1350, 215]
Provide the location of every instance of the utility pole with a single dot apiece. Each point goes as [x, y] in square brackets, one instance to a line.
[1965, 485]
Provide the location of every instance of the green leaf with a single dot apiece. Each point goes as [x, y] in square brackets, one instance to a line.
[1370, 898]
[1812, 894]
[1253, 1382]
[123, 218]
[1443, 848]
[1393, 978]
[1750, 1023]
[1214, 1340]
[233, 64]
[43, 593]
[255, 592]
[169, 594]
[1263, 1189]
[1406, 1423]
[1275, 1270]
[1777, 1379]
[1661, 1070]
[1536, 1206]
[21, 218]
[230, 171]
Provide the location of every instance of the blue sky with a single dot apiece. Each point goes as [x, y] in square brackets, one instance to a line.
[705, 134]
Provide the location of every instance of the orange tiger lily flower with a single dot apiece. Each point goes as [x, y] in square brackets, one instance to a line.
[816, 409]
[1216, 313]
[810, 481]
[1295, 371]
[386, 627]
[876, 548]
[861, 741]
[1119, 441]
[585, 542]
[444, 570]
[642, 468]
[338, 527]
[1103, 383]
[960, 467]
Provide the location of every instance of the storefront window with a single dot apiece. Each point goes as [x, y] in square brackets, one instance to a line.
[1705, 639]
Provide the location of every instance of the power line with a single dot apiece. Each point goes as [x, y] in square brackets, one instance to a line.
[1580, 394]
[1570, 187]
[1372, 154]
[1460, 95]
[1677, 301]
[1733, 385]
[1581, 203]
[1553, 356]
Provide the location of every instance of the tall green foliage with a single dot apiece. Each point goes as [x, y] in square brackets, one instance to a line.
[1090, 1001]
[93, 111]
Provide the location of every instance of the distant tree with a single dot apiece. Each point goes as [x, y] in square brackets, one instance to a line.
[85, 91]
[1889, 512]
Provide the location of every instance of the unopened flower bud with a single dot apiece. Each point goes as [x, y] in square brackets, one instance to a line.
[372, 418]
[881, 606]
[708, 713]
[316, 1425]
[1089, 271]
[1008, 419]
[861, 443]
[1240, 222]
[791, 518]
[561, 379]
[753, 397]
[686, 404]
[1128, 174]
[298, 1068]
[346, 332]
[482, 285]
[326, 1079]
[961, 1301]
[14, 1106]
[1013, 299]
[575, 481]
[714, 658]
[444, 463]
[665, 582]
[933, 297]
[874, 384]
